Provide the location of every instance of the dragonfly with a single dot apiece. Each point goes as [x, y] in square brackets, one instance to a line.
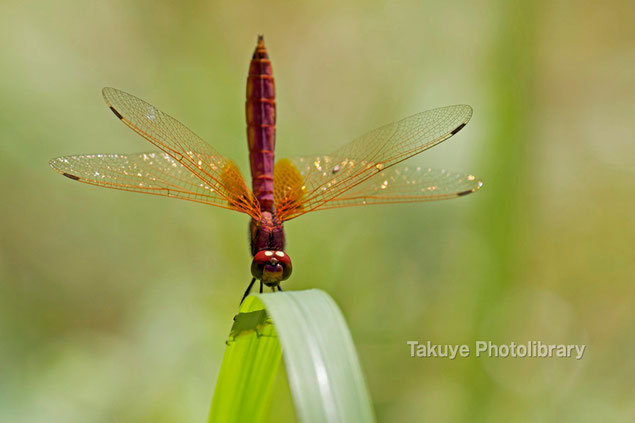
[367, 171]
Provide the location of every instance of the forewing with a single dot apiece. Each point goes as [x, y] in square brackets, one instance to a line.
[185, 147]
[326, 178]
[152, 173]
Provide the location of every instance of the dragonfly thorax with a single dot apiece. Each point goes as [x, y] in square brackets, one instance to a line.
[266, 233]
[270, 264]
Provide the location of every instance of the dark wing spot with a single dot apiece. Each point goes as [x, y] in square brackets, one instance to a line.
[458, 128]
[73, 177]
[469, 191]
[116, 112]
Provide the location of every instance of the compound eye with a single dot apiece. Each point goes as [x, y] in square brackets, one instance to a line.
[263, 256]
[285, 260]
[259, 261]
[282, 257]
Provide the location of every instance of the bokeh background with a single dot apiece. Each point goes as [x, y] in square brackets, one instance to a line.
[115, 306]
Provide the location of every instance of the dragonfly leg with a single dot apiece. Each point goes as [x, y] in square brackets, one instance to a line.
[248, 289]
[279, 288]
[261, 287]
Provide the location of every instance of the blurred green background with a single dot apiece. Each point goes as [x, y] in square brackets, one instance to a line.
[115, 307]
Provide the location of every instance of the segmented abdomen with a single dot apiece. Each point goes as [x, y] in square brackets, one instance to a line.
[261, 120]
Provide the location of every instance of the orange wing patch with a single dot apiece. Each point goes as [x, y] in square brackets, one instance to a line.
[288, 187]
[231, 178]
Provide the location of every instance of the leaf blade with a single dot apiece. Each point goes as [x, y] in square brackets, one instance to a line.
[324, 373]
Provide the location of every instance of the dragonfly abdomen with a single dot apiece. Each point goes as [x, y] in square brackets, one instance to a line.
[260, 109]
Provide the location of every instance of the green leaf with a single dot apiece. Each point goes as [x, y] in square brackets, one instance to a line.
[324, 373]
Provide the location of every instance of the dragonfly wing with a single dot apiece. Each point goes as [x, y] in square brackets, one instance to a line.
[407, 184]
[325, 178]
[155, 173]
[185, 147]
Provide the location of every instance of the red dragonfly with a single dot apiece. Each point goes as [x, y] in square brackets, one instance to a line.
[363, 172]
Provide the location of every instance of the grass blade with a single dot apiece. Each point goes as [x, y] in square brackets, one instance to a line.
[324, 373]
[250, 362]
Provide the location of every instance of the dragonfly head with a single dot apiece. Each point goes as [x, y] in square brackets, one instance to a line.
[271, 267]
